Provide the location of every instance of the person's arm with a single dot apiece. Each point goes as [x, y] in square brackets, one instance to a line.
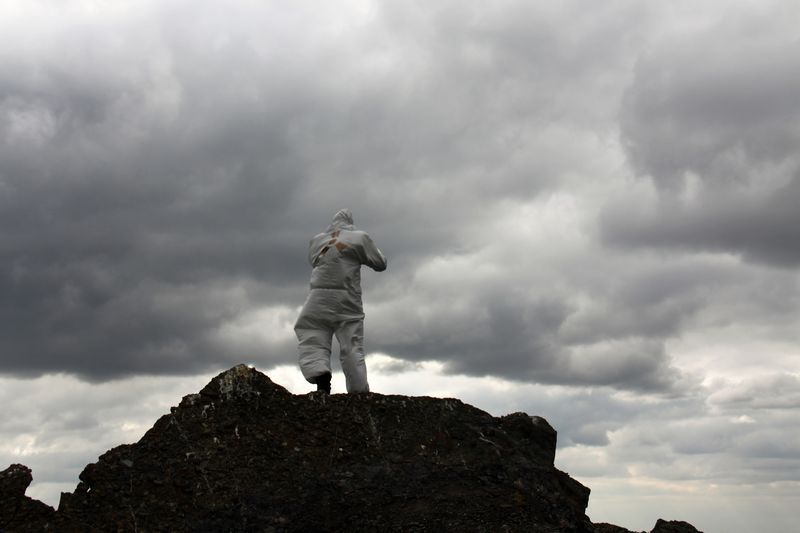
[372, 256]
[310, 252]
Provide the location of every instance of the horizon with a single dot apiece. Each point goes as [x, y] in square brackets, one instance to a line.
[590, 214]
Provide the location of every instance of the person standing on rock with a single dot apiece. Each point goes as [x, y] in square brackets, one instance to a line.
[333, 306]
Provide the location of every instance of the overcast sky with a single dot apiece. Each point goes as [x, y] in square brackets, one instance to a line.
[591, 212]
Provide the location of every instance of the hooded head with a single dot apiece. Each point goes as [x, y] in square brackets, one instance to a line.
[343, 219]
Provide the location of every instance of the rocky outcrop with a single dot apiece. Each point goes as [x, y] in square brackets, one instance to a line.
[17, 511]
[662, 526]
[674, 526]
[244, 454]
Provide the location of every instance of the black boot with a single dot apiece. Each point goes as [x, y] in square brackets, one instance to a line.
[323, 383]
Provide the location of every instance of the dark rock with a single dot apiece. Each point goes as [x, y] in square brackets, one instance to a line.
[14, 481]
[602, 527]
[674, 526]
[662, 526]
[539, 435]
[244, 454]
[17, 511]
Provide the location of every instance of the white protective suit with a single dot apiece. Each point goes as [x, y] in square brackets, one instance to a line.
[334, 305]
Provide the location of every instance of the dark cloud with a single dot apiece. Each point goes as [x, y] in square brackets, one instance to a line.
[201, 160]
[478, 334]
[757, 229]
[712, 121]
[120, 210]
[716, 103]
[654, 301]
[520, 335]
[157, 200]
[772, 391]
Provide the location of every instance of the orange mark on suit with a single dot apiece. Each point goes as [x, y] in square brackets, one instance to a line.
[339, 245]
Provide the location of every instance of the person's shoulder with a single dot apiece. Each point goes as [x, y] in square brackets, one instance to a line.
[319, 237]
[359, 236]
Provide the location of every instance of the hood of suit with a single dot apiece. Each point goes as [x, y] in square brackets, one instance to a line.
[343, 219]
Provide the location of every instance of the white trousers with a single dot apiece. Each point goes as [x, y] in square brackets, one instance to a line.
[315, 329]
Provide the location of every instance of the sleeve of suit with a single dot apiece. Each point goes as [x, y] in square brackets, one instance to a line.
[371, 255]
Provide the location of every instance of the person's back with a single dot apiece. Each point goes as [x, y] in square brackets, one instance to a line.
[334, 303]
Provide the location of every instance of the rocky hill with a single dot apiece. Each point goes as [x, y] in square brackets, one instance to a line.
[244, 454]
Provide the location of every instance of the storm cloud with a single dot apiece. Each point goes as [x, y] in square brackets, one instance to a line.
[713, 122]
[156, 194]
